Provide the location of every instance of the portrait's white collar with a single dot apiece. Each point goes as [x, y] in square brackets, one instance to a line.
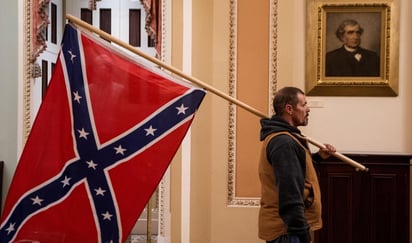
[349, 49]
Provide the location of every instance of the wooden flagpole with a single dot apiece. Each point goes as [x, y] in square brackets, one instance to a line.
[196, 81]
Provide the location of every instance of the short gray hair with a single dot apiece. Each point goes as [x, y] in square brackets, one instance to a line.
[341, 28]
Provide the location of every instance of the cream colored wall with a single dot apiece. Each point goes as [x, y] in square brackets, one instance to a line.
[353, 124]
[200, 167]
[201, 193]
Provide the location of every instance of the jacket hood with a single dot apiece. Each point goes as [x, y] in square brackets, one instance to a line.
[274, 125]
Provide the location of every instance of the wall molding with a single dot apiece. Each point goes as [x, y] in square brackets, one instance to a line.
[232, 197]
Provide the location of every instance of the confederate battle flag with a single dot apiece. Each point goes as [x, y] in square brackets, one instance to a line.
[105, 134]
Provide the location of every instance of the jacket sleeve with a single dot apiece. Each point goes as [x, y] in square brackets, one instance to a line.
[316, 158]
[289, 164]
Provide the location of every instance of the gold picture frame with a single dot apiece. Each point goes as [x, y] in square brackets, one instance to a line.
[380, 25]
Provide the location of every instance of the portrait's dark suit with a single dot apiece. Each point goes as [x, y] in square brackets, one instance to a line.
[341, 62]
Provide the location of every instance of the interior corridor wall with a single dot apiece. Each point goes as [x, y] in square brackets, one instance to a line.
[378, 125]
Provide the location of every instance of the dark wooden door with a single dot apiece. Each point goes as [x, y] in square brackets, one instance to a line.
[365, 207]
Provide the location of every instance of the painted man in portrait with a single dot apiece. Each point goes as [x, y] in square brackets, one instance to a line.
[351, 59]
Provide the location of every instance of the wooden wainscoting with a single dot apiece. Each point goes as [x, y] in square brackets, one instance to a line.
[365, 207]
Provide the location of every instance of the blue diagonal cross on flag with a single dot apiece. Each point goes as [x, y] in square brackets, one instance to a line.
[104, 136]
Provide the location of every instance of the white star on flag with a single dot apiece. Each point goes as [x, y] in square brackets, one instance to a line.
[100, 191]
[150, 131]
[119, 150]
[72, 56]
[181, 109]
[77, 97]
[107, 216]
[83, 133]
[10, 228]
[66, 181]
[37, 200]
[91, 164]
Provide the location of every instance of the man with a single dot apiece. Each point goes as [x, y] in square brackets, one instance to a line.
[290, 194]
[351, 59]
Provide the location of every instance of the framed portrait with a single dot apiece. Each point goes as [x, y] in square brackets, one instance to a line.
[352, 48]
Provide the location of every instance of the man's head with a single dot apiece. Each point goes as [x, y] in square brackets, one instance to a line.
[290, 104]
[349, 33]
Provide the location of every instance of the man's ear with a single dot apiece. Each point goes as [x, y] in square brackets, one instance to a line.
[289, 109]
